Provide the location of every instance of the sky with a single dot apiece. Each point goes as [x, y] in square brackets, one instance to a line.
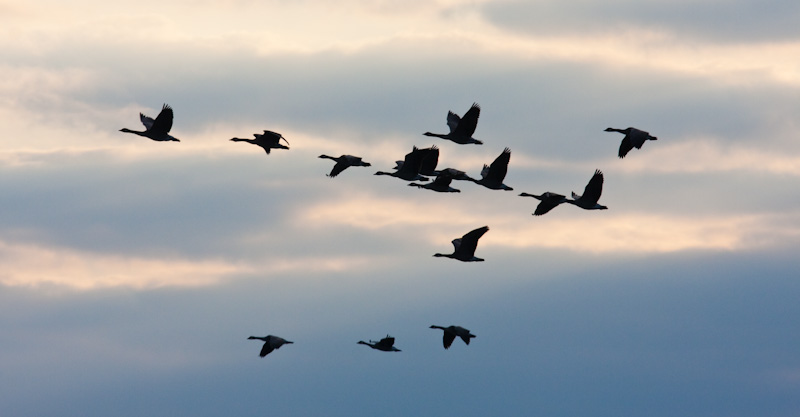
[133, 271]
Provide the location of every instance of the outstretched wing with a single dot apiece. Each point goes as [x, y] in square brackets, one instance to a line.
[625, 146]
[266, 349]
[386, 342]
[499, 168]
[594, 188]
[448, 339]
[412, 163]
[163, 122]
[469, 242]
[452, 121]
[146, 121]
[466, 127]
[430, 159]
[338, 168]
[549, 202]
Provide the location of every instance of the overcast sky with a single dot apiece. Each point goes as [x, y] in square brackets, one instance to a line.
[133, 271]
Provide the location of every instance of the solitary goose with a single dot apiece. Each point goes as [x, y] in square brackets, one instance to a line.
[461, 128]
[465, 246]
[268, 140]
[548, 200]
[409, 169]
[270, 343]
[157, 129]
[591, 194]
[430, 158]
[450, 333]
[343, 162]
[386, 344]
[493, 175]
[440, 184]
[633, 138]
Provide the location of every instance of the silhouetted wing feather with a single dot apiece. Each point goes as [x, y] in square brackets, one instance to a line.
[549, 202]
[413, 161]
[499, 168]
[452, 121]
[594, 188]
[448, 339]
[442, 180]
[163, 122]
[386, 342]
[466, 127]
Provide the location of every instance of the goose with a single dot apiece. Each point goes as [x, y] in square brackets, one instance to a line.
[409, 169]
[493, 175]
[633, 138]
[430, 158]
[450, 333]
[157, 129]
[268, 140]
[270, 343]
[465, 246]
[343, 162]
[440, 184]
[461, 128]
[456, 174]
[386, 344]
[591, 194]
[548, 200]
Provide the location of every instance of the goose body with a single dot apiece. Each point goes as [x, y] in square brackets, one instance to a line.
[548, 202]
[386, 344]
[461, 128]
[465, 246]
[441, 184]
[591, 194]
[634, 138]
[156, 129]
[343, 162]
[494, 174]
[270, 343]
[267, 140]
[451, 332]
[409, 169]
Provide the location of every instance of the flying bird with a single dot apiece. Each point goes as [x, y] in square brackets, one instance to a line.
[440, 184]
[633, 138]
[386, 344]
[156, 129]
[268, 140]
[548, 202]
[591, 194]
[270, 343]
[451, 332]
[465, 246]
[494, 174]
[461, 128]
[409, 169]
[343, 162]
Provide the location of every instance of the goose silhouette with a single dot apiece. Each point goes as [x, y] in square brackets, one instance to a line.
[270, 343]
[268, 140]
[156, 129]
[461, 128]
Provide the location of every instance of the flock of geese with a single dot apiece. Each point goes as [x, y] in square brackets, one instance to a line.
[418, 165]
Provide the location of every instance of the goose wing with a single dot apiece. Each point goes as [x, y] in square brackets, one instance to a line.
[452, 121]
[498, 169]
[466, 127]
[442, 180]
[469, 242]
[386, 343]
[625, 146]
[594, 188]
[448, 338]
[430, 159]
[163, 122]
[549, 202]
[146, 121]
[412, 163]
[275, 137]
[266, 349]
[340, 166]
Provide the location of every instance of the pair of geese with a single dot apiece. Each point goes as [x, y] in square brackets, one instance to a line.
[386, 344]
